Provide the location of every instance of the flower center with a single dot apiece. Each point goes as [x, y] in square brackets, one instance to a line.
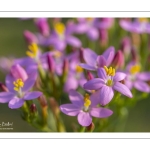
[18, 84]
[78, 69]
[109, 82]
[110, 71]
[135, 69]
[59, 28]
[33, 50]
[87, 102]
[57, 54]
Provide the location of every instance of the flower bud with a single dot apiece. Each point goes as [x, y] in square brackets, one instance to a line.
[103, 35]
[33, 108]
[118, 61]
[30, 37]
[65, 66]
[126, 46]
[42, 101]
[89, 75]
[3, 87]
[43, 26]
[134, 54]
[50, 62]
[54, 106]
[91, 127]
[18, 72]
[81, 54]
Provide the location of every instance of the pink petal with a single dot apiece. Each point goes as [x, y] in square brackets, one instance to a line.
[102, 73]
[92, 33]
[73, 41]
[119, 76]
[15, 103]
[94, 84]
[101, 112]
[87, 67]
[5, 97]
[84, 119]
[90, 57]
[142, 86]
[106, 95]
[28, 84]
[109, 55]
[76, 98]
[145, 76]
[70, 109]
[122, 89]
[101, 61]
[32, 95]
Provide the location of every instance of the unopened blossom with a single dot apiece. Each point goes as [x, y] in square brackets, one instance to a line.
[18, 83]
[94, 61]
[84, 108]
[106, 84]
[136, 78]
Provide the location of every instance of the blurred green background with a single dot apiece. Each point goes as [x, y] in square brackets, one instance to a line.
[12, 43]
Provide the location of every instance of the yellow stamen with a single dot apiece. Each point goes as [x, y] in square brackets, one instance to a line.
[59, 28]
[143, 19]
[79, 69]
[135, 69]
[110, 71]
[87, 101]
[33, 49]
[18, 84]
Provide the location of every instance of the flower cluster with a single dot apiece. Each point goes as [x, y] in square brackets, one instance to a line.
[70, 55]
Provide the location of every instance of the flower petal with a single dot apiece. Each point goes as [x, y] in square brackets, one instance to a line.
[101, 61]
[94, 84]
[141, 86]
[32, 95]
[102, 73]
[71, 83]
[93, 34]
[5, 97]
[101, 112]
[109, 55]
[15, 103]
[76, 98]
[122, 89]
[87, 67]
[84, 119]
[28, 84]
[106, 95]
[73, 41]
[145, 76]
[119, 76]
[70, 109]
[9, 83]
[95, 98]
[90, 57]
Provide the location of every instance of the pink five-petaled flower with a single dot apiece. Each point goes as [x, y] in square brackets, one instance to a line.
[84, 108]
[94, 61]
[107, 82]
[19, 83]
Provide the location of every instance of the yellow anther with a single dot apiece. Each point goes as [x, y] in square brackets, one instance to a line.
[59, 28]
[110, 71]
[79, 69]
[135, 69]
[87, 101]
[143, 19]
[33, 49]
[18, 84]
